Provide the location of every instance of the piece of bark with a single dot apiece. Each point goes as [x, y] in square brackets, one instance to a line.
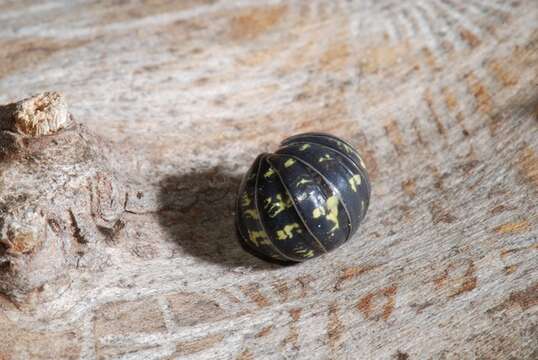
[60, 201]
[39, 115]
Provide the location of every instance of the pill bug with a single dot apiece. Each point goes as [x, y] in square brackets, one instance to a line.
[302, 201]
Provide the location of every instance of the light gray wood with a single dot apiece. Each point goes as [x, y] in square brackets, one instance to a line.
[177, 98]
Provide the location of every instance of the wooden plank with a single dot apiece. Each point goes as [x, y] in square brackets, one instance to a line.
[440, 98]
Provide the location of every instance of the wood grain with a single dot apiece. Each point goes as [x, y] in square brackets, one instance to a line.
[441, 98]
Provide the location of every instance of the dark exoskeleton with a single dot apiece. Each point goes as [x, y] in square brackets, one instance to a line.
[302, 201]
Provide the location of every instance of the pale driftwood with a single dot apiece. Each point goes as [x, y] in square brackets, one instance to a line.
[60, 197]
[441, 98]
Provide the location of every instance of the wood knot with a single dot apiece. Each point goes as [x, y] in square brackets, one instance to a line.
[38, 115]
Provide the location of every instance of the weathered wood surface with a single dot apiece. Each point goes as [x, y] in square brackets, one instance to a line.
[440, 96]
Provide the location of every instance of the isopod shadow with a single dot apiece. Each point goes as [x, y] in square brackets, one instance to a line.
[197, 212]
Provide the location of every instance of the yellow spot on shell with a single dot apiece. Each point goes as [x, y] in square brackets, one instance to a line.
[289, 162]
[304, 147]
[360, 160]
[269, 173]
[252, 213]
[332, 212]
[258, 238]
[355, 181]
[245, 200]
[325, 157]
[347, 148]
[287, 231]
[303, 181]
[305, 253]
[318, 212]
[278, 205]
[350, 150]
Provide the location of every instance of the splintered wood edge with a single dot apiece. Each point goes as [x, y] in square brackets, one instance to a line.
[38, 115]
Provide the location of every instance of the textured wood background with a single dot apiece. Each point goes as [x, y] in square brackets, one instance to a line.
[440, 96]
